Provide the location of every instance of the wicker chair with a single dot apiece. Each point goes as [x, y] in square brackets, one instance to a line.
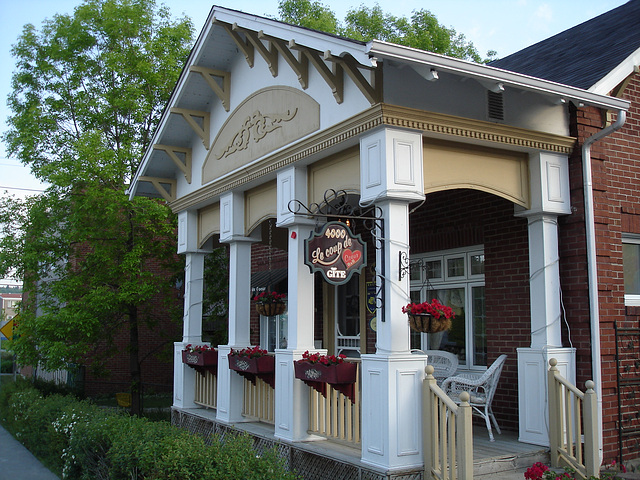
[482, 388]
[444, 364]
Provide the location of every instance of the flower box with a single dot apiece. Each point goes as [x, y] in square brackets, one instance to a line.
[202, 361]
[262, 367]
[341, 376]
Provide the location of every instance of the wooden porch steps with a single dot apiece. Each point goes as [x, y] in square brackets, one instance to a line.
[506, 458]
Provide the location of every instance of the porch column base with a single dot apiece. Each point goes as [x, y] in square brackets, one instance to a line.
[292, 399]
[184, 380]
[533, 401]
[392, 410]
[230, 389]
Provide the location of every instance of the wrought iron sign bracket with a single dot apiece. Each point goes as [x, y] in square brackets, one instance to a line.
[336, 207]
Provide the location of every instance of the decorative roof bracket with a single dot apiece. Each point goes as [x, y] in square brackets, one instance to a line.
[168, 194]
[270, 54]
[244, 45]
[369, 88]
[184, 166]
[223, 92]
[189, 115]
[299, 65]
[334, 77]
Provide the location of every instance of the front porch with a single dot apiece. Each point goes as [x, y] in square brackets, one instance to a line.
[322, 459]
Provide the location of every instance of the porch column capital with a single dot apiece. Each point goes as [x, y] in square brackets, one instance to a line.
[292, 185]
[391, 165]
[548, 184]
[188, 233]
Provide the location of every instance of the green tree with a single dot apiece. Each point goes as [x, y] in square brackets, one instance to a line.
[86, 97]
[421, 31]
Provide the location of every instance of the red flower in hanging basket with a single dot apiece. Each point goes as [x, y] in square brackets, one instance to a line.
[435, 308]
[270, 297]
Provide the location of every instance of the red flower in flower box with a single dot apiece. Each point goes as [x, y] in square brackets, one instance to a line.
[253, 362]
[202, 358]
[319, 370]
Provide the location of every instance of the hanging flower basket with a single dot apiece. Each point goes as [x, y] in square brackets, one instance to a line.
[429, 317]
[270, 304]
[318, 371]
[426, 323]
[201, 358]
[254, 362]
[270, 309]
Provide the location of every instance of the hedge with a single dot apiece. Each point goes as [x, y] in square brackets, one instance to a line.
[80, 440]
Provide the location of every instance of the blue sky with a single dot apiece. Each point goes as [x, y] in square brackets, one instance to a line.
[502, 25]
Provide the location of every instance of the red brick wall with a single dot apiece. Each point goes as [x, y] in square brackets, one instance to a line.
[616, 188]
[156, 338]
[460, 218]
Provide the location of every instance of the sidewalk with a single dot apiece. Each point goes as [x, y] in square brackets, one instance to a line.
[17, 463]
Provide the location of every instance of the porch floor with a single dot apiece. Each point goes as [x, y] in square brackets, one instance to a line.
[506, 458]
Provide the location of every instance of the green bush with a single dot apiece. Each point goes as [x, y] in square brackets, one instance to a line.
[83, 441]
[6, 362]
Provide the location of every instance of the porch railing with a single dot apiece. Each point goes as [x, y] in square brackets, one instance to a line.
[206, 390]
[447, 435]
[335, 416]
[573, 430]
[259, 401]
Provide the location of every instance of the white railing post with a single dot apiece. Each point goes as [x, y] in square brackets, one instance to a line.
[555, 429]
[464, 438]
[591, 447]
[429, 416]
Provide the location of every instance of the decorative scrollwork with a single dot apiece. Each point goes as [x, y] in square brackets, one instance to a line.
[255, 128]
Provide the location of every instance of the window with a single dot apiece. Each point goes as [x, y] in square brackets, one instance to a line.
[631, 263]
[455, 278]
[273, 331]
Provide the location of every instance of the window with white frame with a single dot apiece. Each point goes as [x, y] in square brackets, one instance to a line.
[631, 263]
[273, 331]
[456, 279]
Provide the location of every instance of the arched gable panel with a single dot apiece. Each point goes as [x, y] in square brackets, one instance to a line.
[260, 204]
[208, 223]
[503, 173]
[339, 172]
[267, 120]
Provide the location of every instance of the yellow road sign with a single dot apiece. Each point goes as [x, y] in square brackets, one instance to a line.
[7, 329]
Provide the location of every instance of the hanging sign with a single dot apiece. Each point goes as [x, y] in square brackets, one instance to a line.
[335, 252]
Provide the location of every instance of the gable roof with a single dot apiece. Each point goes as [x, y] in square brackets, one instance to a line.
[585, 55]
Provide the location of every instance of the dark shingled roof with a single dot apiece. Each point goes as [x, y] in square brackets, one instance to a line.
[584, 54]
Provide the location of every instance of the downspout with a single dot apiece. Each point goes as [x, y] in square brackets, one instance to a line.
[592, 267]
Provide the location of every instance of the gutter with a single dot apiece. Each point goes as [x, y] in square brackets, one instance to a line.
[592, 267]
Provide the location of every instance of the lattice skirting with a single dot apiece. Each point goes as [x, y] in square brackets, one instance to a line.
[311, 466]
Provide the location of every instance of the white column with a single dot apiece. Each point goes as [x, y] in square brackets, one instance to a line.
[391, 176]
[184, 376]
[292, 395]
[230, 384]
[549, 198]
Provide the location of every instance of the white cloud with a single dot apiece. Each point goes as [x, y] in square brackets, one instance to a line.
[544, 12]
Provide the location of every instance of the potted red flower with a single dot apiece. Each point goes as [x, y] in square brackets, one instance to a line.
[429, 317]
[252, 362]
[319, 370]
[201, 357]
[270, 303]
